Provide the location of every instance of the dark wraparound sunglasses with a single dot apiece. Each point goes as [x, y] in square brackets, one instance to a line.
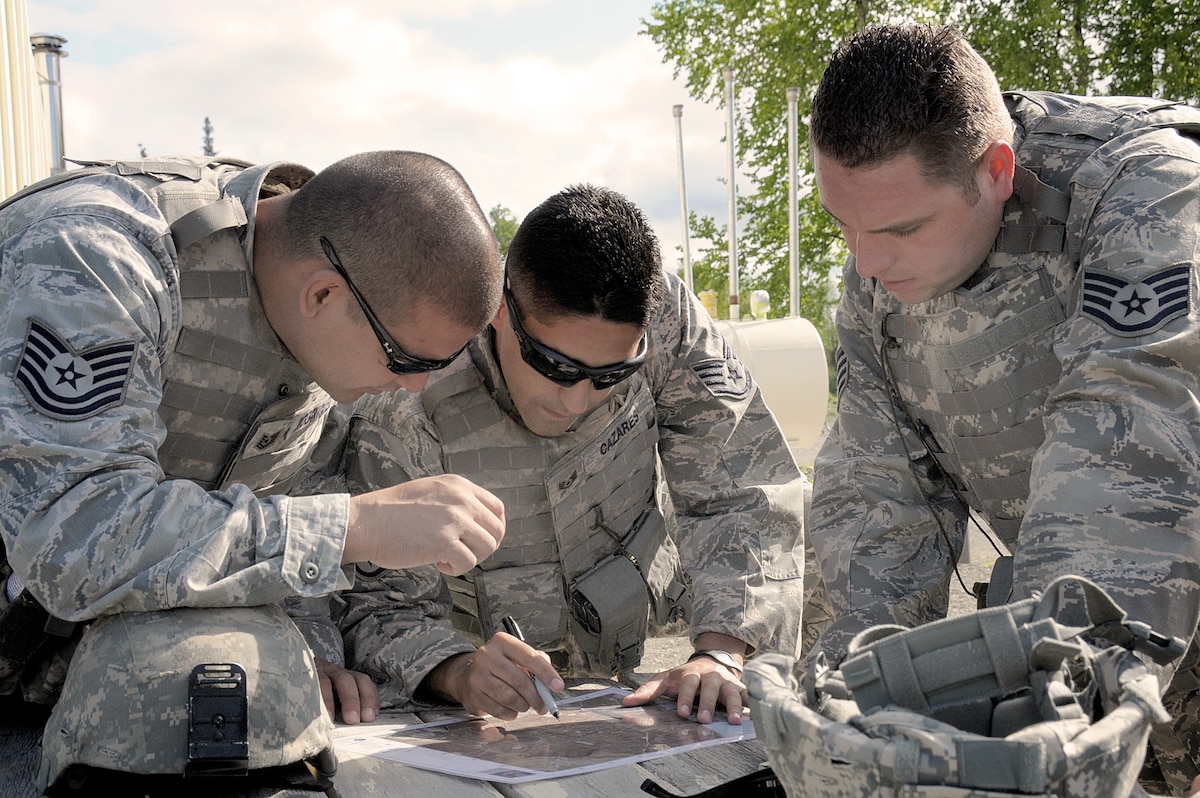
[563, 370]
[399, 361]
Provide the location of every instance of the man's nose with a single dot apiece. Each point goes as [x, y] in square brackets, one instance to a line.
[870, 257]
[575, 398]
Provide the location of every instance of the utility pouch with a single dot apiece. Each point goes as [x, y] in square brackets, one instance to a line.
[610, 613]
[611, 602]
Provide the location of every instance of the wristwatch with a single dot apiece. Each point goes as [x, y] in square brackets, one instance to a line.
[719, 656]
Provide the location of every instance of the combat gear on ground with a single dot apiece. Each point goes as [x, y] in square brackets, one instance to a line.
[1008, 701]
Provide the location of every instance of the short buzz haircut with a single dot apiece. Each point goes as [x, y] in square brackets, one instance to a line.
[587, 251]
[408, 230]
[891, 90]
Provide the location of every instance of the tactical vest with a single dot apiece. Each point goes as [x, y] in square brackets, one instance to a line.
[237, 407]
[972, 368]
[576, 505]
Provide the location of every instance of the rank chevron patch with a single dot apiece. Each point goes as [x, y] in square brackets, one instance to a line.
[843, 369]
[725, 376]
[1130, 309]
[68, 385]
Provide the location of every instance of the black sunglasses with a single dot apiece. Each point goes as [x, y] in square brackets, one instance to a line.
[563, 370]
[399, 361]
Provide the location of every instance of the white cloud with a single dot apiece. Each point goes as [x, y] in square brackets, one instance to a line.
[524, 97]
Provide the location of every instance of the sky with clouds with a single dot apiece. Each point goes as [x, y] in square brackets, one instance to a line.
[524, 97]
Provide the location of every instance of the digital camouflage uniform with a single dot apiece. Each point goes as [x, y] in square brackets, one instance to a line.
[692, 414]
[1055, 393]
[144, 400]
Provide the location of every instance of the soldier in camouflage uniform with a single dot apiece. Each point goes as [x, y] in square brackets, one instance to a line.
[589, 459]
[1017, 339]
[173, 333]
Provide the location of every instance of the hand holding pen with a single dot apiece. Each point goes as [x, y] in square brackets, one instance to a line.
[510, 626]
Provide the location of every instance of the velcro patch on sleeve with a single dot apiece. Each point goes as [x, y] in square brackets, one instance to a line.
[68, 385]
[726, 376]
[1130, 309]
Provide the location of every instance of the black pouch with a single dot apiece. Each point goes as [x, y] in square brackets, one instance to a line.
[611, 602]
[610, 613]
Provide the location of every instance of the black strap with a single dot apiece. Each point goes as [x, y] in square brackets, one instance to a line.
[759, 784]
[27, 632]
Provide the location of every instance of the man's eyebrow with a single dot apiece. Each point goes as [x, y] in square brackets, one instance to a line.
[898, 227]
[821, 202]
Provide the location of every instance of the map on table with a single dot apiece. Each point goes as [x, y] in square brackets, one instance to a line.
[593, 732]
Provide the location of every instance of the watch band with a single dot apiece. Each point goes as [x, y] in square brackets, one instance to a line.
[720, 657]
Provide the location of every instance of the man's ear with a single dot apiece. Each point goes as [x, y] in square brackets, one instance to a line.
[997, 166]
[319, 291]
[500, 320]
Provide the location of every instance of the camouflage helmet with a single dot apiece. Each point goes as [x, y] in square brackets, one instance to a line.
[160, 693]
[1005, 701]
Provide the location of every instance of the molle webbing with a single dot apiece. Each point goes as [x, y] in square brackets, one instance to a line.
[203, 283]
[225, 351]
[938, 376]
[1031, 236]
[1043, 198]
[226, 213]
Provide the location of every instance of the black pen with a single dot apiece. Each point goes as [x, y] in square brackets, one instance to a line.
[510, 626]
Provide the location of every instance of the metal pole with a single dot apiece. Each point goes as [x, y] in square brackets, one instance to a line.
[683, 207]
[50, 47]
[793, 97]
[735, 311]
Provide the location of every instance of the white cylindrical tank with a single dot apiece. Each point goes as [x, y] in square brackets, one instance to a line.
[787, 360]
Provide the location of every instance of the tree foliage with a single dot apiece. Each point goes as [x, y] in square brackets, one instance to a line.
[504, 225]
[1080, 46]
[1131, 47]
[209, 149]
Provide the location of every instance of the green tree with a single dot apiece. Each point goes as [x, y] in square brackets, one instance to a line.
[1132, 47]
[504, 225]
[209, 150]
[1082, 46]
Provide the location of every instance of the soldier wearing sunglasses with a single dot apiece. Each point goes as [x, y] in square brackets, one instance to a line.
[645, 485]
[174, 332]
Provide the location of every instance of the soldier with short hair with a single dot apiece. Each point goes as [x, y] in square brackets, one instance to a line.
[173, 333]
[1017, 339]
[645, 482]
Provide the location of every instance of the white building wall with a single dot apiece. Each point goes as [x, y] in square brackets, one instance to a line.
[25, 155]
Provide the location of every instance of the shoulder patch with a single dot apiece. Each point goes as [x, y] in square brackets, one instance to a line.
[68, 385]
[1129, 309]
[724, 376]
[843, 369]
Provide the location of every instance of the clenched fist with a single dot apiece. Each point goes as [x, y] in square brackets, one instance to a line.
[445, 520]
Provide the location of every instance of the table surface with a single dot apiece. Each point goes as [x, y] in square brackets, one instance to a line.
[359, 776]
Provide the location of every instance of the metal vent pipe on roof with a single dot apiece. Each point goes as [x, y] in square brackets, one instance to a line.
[50, 48]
